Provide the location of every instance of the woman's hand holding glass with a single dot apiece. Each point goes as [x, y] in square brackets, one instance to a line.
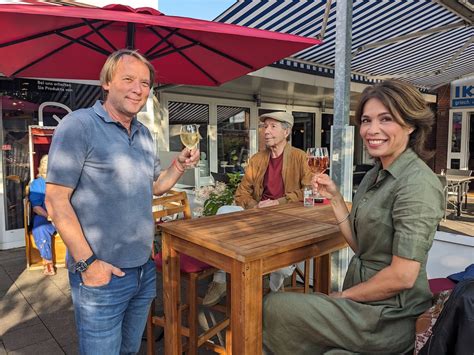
[325, 186]
[318, 163]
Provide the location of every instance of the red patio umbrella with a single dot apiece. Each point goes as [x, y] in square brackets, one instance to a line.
[46, 41]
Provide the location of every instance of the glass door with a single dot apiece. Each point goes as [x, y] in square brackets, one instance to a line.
[17, 115]
[459, 139]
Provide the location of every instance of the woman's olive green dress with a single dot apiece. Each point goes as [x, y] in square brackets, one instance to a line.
[395, 212]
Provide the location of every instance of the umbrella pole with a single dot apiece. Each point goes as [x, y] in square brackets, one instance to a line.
[131, 35]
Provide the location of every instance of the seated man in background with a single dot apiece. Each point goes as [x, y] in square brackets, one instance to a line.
[273, 176]
[43, 230]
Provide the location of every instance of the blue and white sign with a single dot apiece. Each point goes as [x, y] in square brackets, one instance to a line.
[462, 93]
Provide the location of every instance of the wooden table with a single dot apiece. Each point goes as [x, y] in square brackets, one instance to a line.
[247, 245]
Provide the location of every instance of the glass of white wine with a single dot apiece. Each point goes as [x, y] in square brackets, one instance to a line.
[189, 135]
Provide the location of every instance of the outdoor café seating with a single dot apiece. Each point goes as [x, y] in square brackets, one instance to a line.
[464, 185]
[456, 187]
[33, 257]
[192, 271]
[450, 194]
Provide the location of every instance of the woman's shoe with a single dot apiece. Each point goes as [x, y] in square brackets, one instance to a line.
[48, 269]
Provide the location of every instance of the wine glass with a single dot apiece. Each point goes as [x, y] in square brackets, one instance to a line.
[189, 135]
[318, 162]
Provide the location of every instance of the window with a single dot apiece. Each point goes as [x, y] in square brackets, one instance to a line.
[233, 138]
[302, 134]
[190, 113]
[456, 132]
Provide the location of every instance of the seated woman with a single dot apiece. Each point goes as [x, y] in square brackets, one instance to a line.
[43, 230]
[390, 228]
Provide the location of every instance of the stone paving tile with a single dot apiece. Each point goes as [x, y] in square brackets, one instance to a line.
[13, 323]
[16, 312]
[23, 337]
[2, 348]
[71, 349]
[6, 282]
[12, 254]
[45, 296]
[14, 267]
[62, 327]
[30, 286]
[61, 280]
[49, 347]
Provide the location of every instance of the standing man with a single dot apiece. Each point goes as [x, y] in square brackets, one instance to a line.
[274, 176]
[103, 172]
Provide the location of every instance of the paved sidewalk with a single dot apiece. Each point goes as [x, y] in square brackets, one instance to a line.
[36, 314]
[35, 311]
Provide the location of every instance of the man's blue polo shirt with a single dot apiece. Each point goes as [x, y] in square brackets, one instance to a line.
[112, 175]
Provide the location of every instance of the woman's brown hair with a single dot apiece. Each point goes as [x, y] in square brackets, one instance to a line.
[407, 105]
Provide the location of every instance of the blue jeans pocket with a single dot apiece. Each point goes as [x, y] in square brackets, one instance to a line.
[101, 287]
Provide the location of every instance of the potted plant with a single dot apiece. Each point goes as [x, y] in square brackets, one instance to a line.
[221, 194]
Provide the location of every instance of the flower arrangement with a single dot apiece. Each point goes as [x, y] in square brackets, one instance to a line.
[213, 197]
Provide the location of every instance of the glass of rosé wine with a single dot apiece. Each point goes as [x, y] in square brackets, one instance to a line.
[318, 162]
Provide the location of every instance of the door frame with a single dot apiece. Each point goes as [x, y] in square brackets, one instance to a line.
[463, 155]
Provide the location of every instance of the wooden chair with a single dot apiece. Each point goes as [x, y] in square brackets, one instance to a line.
[33, 257]
[449, 193]
[320, 270]
[192, 271]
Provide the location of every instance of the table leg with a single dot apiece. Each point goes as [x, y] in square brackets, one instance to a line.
[322, 273]
[306, 275]
[459, 200]
[171, 297]
[246, 309]
[228, 333]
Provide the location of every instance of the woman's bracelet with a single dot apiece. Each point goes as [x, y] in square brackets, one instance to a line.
[178, 166]
[343, 220]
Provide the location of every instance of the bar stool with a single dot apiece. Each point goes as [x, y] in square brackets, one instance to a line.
[192, 270]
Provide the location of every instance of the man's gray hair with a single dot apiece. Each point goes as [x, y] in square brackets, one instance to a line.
[285, 125]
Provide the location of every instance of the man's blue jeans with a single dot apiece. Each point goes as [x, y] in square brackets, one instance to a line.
[110, 319]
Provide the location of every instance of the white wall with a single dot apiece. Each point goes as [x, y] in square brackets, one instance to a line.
[449, 254]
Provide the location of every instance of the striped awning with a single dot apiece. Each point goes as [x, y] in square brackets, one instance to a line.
[420, 41]
[188, 113]
[225, 113]
[191, 113]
